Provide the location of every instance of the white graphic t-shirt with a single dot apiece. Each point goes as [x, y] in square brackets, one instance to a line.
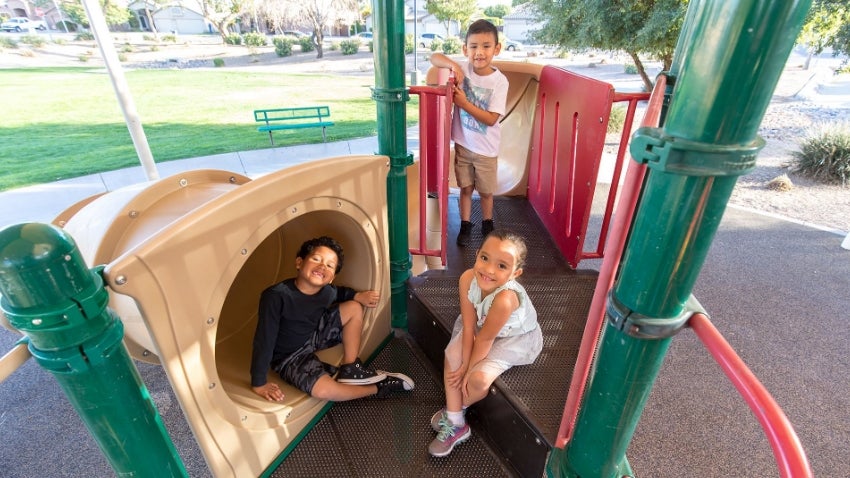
[489, 93]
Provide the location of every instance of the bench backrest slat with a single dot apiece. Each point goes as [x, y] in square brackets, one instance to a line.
[284, 114]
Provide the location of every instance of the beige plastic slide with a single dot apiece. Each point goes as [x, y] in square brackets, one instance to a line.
[187, 259]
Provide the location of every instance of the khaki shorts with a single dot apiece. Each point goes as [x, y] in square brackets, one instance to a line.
[476, 170]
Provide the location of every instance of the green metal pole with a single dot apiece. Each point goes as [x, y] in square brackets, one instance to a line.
[726, 69]
[61, 306]
[391, 95]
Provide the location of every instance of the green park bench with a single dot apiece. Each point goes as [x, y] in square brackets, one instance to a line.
[293, 118]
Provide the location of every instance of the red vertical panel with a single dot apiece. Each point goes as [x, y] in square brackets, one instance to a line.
[569, 135]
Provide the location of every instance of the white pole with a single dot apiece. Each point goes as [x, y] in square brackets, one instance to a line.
[122, 91]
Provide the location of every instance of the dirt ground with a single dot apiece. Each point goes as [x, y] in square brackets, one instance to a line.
[802, 99]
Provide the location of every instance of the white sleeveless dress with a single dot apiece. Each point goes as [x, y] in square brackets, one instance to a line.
[520, 340]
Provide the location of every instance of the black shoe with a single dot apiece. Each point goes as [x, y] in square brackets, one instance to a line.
[465, 233]
[356, 373]
[330, 369]
[486, 227]
[395, 382]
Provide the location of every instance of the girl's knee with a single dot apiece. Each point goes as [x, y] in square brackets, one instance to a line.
[479, 382]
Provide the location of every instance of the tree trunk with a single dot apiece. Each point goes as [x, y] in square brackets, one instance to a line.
[318, 40]
[647, 82]
[151, 24]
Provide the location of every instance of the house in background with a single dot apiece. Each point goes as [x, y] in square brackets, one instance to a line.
[521, 22]
[178, 19]
[17, 8]
[417, 20]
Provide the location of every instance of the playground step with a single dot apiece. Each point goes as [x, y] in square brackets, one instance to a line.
[522, 414]
[389, 437]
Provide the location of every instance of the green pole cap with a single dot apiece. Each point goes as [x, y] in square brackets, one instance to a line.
[46, 287]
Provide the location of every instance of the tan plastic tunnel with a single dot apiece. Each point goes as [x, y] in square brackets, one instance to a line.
[188, 257]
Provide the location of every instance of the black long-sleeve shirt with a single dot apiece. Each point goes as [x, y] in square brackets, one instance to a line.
[286, 320]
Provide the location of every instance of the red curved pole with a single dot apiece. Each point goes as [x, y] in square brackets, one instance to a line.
[790, 456]
[616, 242]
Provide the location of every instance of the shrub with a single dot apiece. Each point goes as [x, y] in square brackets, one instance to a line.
[127, 49]
[616, 119]
[66, 25]
[306, 44]
[282, 45]
[349, 47]
[452, 45]
[8, 43]
[825, 154]
[630, 69]
[436, 45]
[408, 43]
[255, 39]
[147, 37]
[334, 46]
[84, 36]
[83, 58]
[218, 62]
[233, 39]
[170, 37]
[122, 57]
[33, 40]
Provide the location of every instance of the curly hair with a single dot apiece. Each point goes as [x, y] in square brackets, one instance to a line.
[309, 246]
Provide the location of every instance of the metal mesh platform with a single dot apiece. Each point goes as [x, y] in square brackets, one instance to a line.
[389, 437]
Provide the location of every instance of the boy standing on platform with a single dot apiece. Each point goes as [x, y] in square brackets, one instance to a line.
[480, 96]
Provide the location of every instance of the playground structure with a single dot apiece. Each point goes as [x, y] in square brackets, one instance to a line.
[193, 252]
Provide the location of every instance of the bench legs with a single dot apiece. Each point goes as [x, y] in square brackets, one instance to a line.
[324, 139]
[271, 138]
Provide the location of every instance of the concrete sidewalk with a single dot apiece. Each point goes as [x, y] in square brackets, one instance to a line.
[43, 202]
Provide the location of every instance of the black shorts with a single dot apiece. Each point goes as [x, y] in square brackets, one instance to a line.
[302, 369]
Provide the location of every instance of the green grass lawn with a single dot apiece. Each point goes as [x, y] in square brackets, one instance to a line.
[60, 123]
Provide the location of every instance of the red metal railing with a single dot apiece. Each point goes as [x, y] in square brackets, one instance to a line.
[790, 456]
[632, 99]
[435, 107]
[568, 138]
[616, 243]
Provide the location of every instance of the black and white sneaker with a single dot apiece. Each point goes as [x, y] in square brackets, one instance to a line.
[395, 382]
[356, 373]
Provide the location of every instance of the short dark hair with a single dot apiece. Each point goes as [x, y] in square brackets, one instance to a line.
[309, 246]
[482, 26]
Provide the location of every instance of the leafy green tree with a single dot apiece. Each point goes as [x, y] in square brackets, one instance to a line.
[447, 11]
[641, 28]
[827, 26]
[497, 11]
[115, 14]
